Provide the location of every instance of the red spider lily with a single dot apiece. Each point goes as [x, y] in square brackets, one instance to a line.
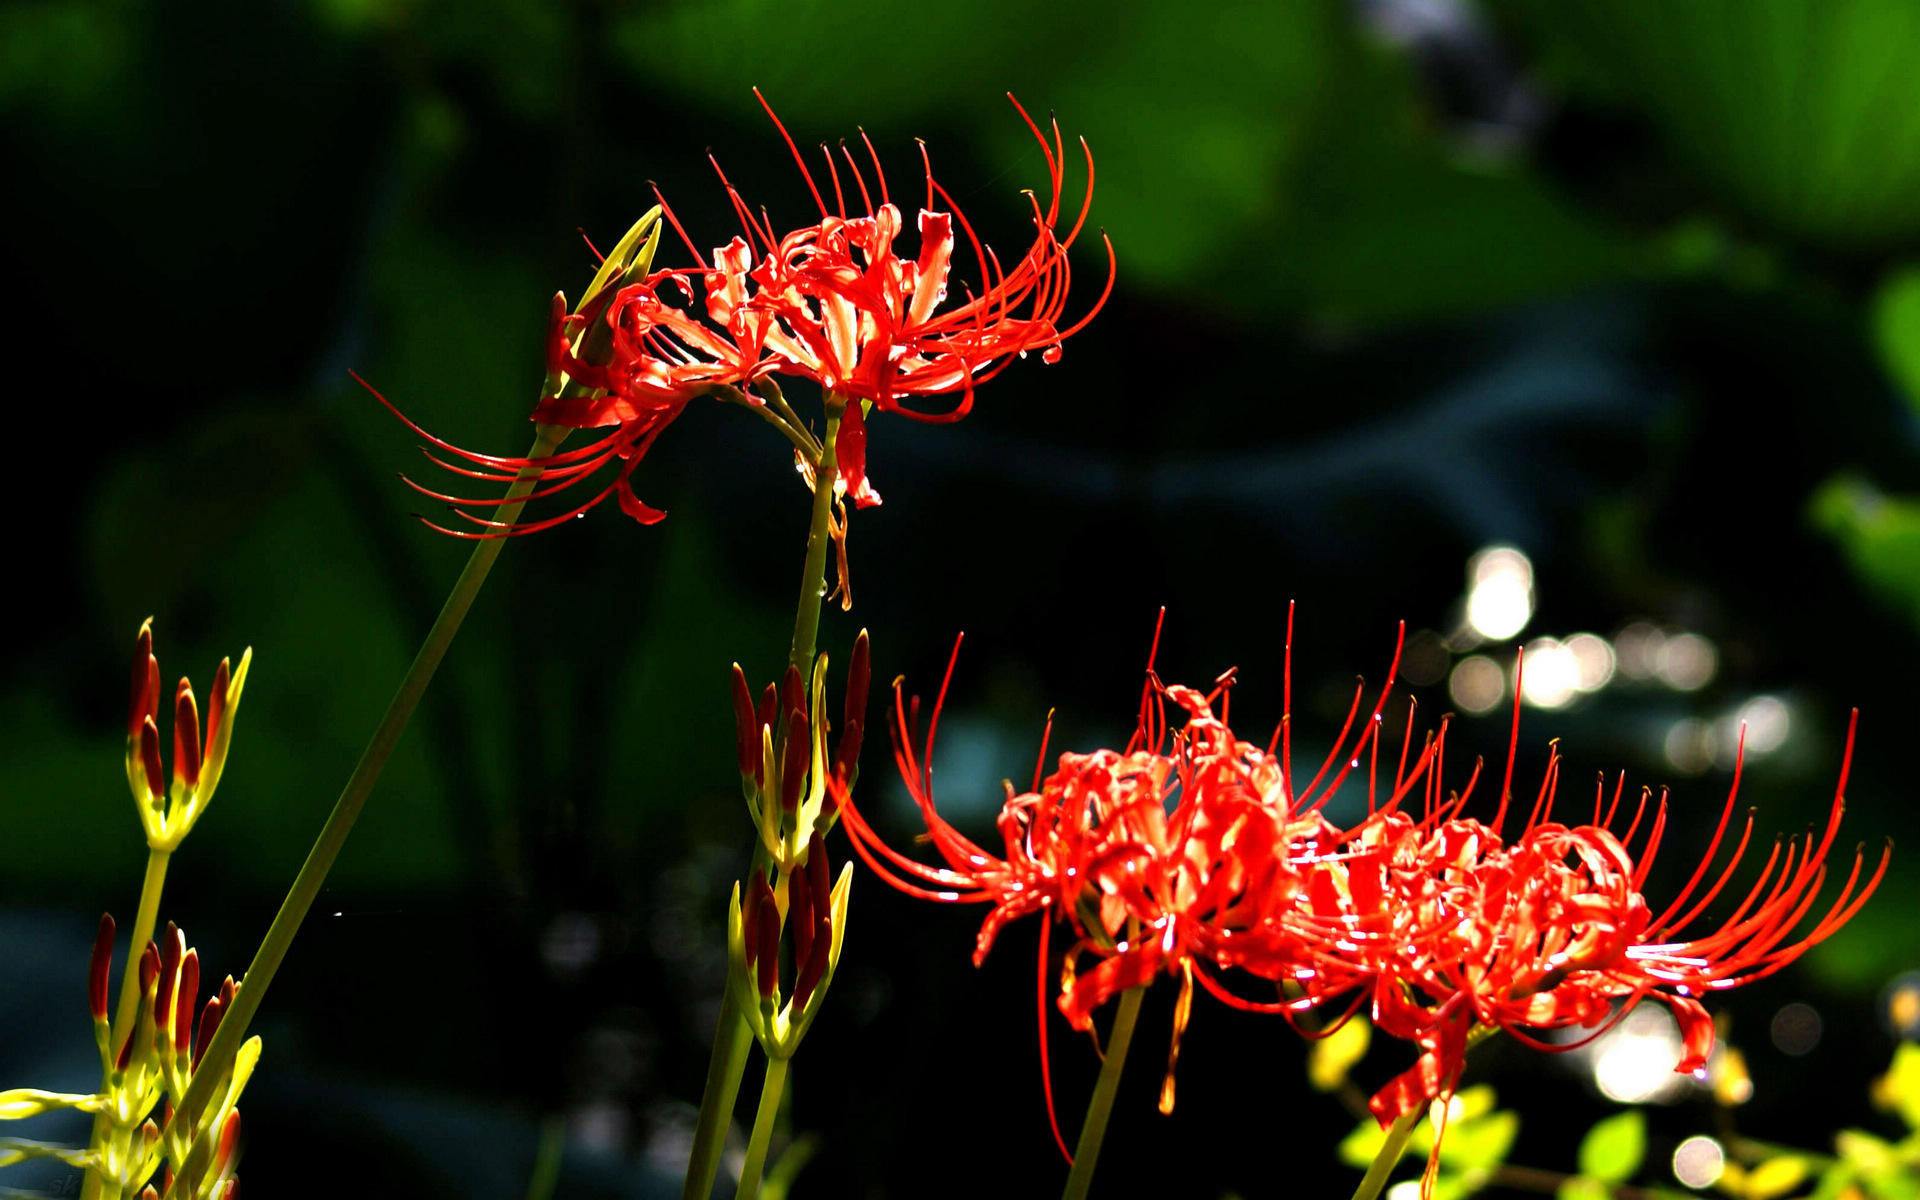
[831, 302]
[1167, 856]
[1452, 931]
[867, 324]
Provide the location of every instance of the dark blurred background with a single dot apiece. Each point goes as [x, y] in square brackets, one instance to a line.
[1592, 327]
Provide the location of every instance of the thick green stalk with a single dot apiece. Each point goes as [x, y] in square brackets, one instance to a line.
[732, 1040]
[144, 920]
[1389, 1156]
[346, 810]
[756, 1164]
[1086, 1154]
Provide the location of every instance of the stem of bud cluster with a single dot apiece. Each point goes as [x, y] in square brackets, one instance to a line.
[1086, 1153]
[732, 1038]
[128, 1008]
[756, 1163]
[366, 772]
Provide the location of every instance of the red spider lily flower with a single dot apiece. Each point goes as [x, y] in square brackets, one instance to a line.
[832, 302]
[1166, 857]
[1460, 931]
[866, 323]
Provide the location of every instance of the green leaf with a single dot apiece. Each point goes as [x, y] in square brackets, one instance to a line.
[1612, 1150]
[1896, 330]
[1581, 1188]
[1797, 111]
[1880, 535]
[1480, 1144]
[1334, 1055]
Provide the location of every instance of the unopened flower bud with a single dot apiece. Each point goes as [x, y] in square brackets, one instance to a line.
[811, 961]
[767, 954]
[229, 1143]
[173, 947]
[149, 974]
[769, 704]
[186, 736]
[859, 672]
[757, 894]
[150, 760]
[745, 729]
[188, 995]
[146, 682]
[100, 968]
[793, 690]
[846, 753]
[820, 874]
[795, 760]
[217, 700]
[800, 902]
[209, 1025]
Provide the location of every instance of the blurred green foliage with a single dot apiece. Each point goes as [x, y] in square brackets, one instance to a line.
[1613, 1150]
[1801, 111]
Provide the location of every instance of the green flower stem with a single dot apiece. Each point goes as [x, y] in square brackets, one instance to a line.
[756, 1164]
[813, 573]
[725, 1067]
[333, 835]
[144, 920]
[1389, 1156]
[732, 1039]
[1086, 1154]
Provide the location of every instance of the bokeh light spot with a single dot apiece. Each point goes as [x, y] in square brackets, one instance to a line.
[1699, 1162]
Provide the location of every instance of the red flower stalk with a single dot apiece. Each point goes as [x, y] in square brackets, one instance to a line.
[832, 302]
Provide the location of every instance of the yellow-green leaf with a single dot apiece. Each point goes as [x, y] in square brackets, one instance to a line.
[1480, 1144]
[1776, 1177]
[1899, 1088]
[1612, 1150]
[1581, 1188]
[1335, 1055]
[1865, 1152]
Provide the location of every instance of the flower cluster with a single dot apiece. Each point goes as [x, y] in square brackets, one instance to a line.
[153, 1044]
[1192, 853]
[151, 1067]
[169, 808]
[835, 302]
[791, 778]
